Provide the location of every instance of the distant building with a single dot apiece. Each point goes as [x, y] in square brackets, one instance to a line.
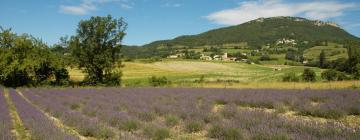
[173, 56]
[286, 41]
[205, 57]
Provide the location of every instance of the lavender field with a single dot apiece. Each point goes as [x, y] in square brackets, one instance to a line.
[179, 113]
[5, 119]
[150, 113]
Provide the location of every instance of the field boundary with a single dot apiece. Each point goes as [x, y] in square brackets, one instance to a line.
[55, 121]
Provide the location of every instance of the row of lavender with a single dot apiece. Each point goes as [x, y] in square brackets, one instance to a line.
[102, 113]
[39, 126]
[5, 119]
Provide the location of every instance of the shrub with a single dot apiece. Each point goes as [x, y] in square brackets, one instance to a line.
[290, 77]
[74, 106]
[159, 81]
[161, 134]
[156, 133]
[113, 78]
[220, 102]
[222, 133]
[130, 125]
[265, 57]
[341, 76]
[193, 127]
[105, 133]
[309, 75]
[329, 114]
[171, 120]
[62, 77]
[329, 75]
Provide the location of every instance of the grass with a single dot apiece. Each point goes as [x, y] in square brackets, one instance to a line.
[217, 74]
[332, 51]
[185, 72]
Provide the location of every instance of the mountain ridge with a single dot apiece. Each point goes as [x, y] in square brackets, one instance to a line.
[325, 28]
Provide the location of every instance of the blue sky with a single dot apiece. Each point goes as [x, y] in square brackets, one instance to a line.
[151, 20]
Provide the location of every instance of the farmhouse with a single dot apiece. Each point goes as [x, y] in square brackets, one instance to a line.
[173, 56]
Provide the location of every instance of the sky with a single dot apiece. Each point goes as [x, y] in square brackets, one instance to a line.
[151, 20]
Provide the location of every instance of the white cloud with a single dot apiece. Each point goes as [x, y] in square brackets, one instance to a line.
[126, 6]
[250, 10]
[86, 6]
[82, 9]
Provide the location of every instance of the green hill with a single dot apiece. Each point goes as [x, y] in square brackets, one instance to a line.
[257, 33]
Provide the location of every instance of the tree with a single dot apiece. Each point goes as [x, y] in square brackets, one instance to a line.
[97, 48]
[354, 56]
[322, 59]
[309, 75]
[265, 57]
[25, 60]
[330, 75]
[356, 72]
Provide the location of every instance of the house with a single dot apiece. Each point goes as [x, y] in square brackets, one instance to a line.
[173, 56]
[217, 57]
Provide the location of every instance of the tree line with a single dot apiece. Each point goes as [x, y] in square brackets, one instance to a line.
[337, 70]
[95, 48]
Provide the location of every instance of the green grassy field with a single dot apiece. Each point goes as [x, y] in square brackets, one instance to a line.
[185, 72]
[332, 51]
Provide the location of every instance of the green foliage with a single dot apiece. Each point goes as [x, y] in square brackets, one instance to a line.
[156, 133]
[130, 125]
[223, 133]
[193, 126]
[322, 59]
[171, 120]
[293, 54]
[158, 81]
[96, 47]
[74, 106]
[255, 34]
[309, 75]
[265, 57]
[62, 77]
[191, 54]
[329, 114]
[290, 77]
[356, 71]
[25, 61]
[329, 75]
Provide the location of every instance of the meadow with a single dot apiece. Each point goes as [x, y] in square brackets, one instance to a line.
[185, 73]
[180, 113]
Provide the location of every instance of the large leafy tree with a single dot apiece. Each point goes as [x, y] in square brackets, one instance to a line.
[96, 47]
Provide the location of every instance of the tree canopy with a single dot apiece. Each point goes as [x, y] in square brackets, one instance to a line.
[25, 60]
[96, 48]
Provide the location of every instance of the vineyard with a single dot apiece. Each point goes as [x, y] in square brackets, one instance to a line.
[178, 113]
